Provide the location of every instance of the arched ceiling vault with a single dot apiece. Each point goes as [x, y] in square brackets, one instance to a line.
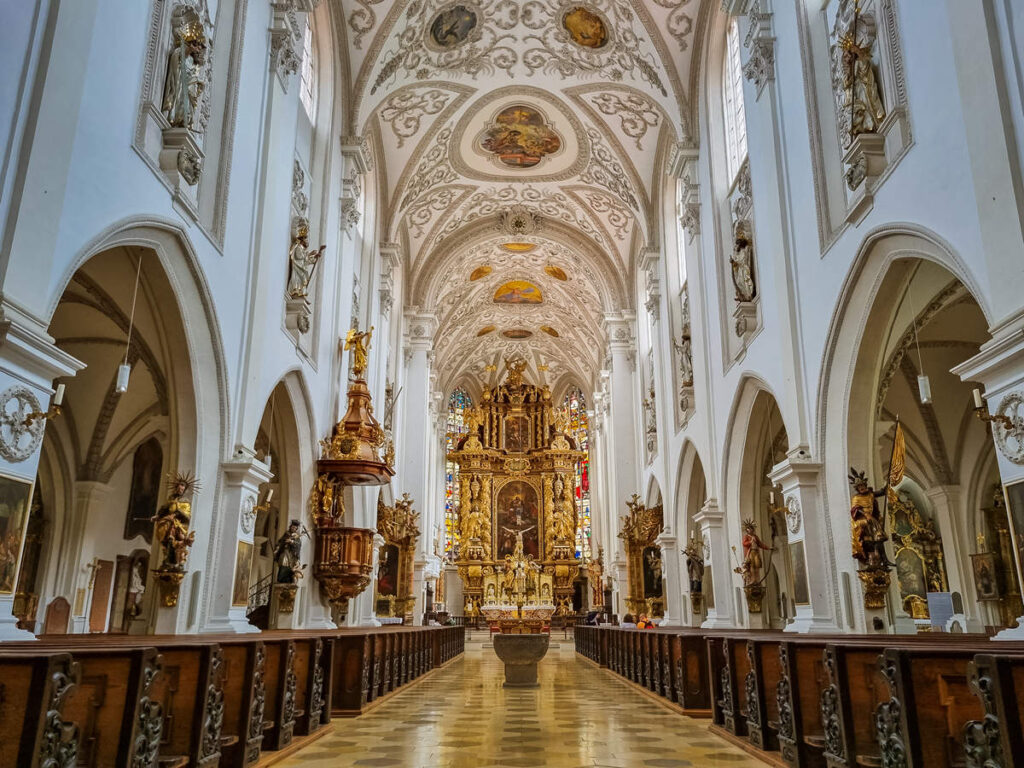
[541, 124]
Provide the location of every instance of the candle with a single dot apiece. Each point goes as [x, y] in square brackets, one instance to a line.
[771, 498]
[978, 402]
[123, 372]
[58, 396]
[270, 495]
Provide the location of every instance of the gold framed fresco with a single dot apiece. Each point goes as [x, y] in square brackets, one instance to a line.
[518, 292]
[986, 576]
[519, 137]
[481, 271]
[586, 27]
[517, 334]
[452, 26]
[15, 499]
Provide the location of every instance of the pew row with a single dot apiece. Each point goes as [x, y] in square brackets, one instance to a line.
[834, 701]
[197, 701]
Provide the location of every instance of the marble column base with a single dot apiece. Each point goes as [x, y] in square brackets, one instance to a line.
[520, 653]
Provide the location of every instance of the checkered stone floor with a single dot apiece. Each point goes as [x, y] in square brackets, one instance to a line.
[580, 717]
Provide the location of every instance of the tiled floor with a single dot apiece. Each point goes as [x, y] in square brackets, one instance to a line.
[580, 717]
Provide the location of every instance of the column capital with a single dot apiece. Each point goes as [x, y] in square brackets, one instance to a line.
[356, 151]
[709, 513]
[245, 469]
[620, 328]
[681, 159]
[420, 327]
[29, 349]
[798, 468]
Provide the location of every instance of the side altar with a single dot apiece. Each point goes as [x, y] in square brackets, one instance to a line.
[517, 500]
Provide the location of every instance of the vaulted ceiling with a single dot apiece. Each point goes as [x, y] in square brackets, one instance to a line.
[539, 124]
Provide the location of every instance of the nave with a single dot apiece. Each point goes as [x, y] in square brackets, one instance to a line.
[579, 717]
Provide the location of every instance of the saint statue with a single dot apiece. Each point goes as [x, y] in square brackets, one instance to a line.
[358, 343]
[686, 361]
[186, 72]
[752, 562]
[302, 263]
[742, 262]
[858, 102]
[136, 590]
[695, 565]
[867, 529]
[171, 523]
[287, 554]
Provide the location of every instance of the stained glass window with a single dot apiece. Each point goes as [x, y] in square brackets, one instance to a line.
[578, 431]
[458, 402]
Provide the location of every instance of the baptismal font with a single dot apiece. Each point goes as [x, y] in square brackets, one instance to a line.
[355, 454]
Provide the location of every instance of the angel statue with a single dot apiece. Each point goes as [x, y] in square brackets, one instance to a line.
[186, 71]
[302, 263]
[358, 343]
[171, 523]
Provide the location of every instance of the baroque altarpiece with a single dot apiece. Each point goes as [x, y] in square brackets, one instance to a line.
[518, 486]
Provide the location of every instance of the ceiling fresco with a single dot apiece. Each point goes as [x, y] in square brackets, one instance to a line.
[522, 143]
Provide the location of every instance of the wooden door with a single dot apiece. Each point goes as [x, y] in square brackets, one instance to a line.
[101, 596]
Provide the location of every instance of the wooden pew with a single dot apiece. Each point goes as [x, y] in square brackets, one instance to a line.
[33, 694]
[997, 738]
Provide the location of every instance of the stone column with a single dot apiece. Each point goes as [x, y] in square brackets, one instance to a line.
[716, 550]
[74, 575]
[999, 367]
[362, 605]
[799, 475]
[671, 579]
[622, 441]
[232, 527]
[29, 362]
[946, 504]
[418, 444]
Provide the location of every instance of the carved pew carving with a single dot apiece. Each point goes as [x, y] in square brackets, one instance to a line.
[996, 740]
[37, 734]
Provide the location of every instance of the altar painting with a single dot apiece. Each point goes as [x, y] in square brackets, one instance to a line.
[652, 572]
[517, 513]
[14, 508]
[387, 570]
[517, 433]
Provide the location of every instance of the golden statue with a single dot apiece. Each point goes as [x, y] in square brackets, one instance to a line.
[358, 343]
[171, 523]
[515, 368]
[186, 72]
[867, 529]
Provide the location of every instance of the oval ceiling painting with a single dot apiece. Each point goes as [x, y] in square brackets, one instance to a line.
[556, 272]
[518, 292]
[452, 26]
[519, 137]
[517, 333]
[479, 272]
[485, 330]
[549, 331]
[585, 27]
[518, 247]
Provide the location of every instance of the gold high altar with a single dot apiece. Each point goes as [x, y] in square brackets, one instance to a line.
[517, 497]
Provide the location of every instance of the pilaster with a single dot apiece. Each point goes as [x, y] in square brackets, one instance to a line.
[233, 527]
[807, 532]
[711, 520]
[671, 580]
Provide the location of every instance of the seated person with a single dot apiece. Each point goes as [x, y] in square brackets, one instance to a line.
[643, 623]
[627, 622]
[592, 618]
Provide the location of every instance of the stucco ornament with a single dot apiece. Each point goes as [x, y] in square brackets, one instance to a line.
[248, 517]
[19, 440]
[794, 516]
[1010, 439]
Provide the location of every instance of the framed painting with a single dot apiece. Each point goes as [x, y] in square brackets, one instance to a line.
[986, 576]
[652, 572]
[243, 565]
[15, 496]
[801, 594]
[517, 433]
[517, 517]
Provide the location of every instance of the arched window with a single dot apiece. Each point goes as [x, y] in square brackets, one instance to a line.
[307, 73]
[458, 402]
[732, 103]
[579, 432]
